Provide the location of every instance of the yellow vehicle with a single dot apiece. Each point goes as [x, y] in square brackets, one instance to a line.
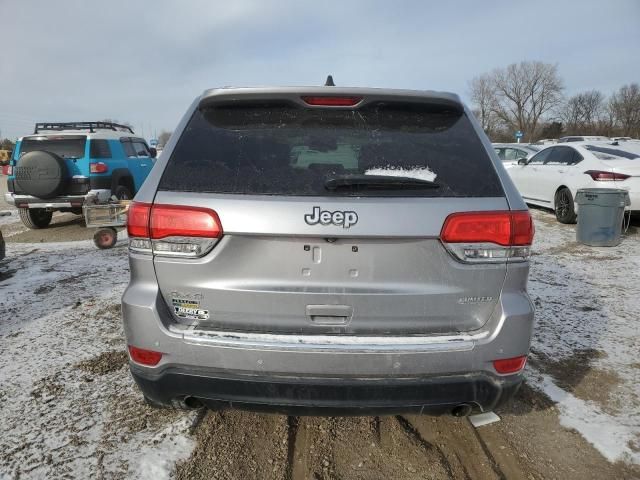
[5, 155]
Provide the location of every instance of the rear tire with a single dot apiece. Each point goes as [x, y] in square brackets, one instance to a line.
[564, 206]
[35, 218]
[122, 193]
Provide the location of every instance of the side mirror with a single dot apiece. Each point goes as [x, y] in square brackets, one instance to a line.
[523, 161]
[153, 153]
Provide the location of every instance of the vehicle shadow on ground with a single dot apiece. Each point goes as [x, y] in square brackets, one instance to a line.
[68, 221]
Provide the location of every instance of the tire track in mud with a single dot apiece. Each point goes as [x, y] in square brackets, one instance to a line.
[362, 448]
[237, 445]
[292, 433]
[485, 448]
[414, 434]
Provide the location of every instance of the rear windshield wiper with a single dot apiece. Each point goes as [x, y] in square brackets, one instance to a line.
[386, 182]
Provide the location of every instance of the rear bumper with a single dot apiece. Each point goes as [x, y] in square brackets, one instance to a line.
[344, 373]
[327, 396]
[67, 201]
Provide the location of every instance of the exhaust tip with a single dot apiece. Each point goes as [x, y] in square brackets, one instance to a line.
[187, 403]
[192, 402]
[462, 410]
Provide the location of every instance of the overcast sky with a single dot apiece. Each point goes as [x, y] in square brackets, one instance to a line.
[144, 61]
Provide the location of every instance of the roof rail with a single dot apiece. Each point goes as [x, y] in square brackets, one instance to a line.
[91, 126]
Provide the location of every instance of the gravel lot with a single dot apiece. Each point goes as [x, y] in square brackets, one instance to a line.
[69, 408]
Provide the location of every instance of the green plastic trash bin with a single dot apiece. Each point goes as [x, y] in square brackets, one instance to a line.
[600, 216]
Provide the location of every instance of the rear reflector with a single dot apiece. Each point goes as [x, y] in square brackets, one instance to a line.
[98, 167]
[504, 228]
[7, 170]
[510, 365]
[332, 101]
[144, 357]
[172, 230]
[600, 176]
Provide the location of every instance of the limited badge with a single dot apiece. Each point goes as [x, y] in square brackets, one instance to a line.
[188, 306]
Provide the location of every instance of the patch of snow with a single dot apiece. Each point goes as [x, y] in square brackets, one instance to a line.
[610, 435]
[420, 173]
[8, 217]
[157, 460]
[587, 302]
[60, 306]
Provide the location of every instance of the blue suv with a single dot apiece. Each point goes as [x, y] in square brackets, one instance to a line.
[62, 166]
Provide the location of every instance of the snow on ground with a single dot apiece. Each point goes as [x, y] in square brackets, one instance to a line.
[8, 216]
[68, 405]
[586, 338]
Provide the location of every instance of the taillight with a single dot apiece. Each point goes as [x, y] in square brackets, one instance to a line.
[176, 220]
[510, 365]
[172, 230]
[488, 236]
[7, 170]
[144, 357]
[98, 167]
[601, 176]
[138, 219]
[332, 101]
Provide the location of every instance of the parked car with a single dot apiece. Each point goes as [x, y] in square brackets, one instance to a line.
[545, 141]
[510, 153]
[583, 138]
[552, 177]
[328, 250]
[63, 165]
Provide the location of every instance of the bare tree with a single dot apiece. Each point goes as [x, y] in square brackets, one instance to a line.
[483, 97]
[582, 113]
[624, 106]
[163, 138]
[525, 91]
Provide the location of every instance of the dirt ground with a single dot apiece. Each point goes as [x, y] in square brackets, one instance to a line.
[74, 412]
[528, 443]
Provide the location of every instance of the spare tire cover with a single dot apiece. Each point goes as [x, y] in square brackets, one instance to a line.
[40, 174]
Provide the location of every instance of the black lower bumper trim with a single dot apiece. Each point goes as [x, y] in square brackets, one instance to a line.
[334, 396]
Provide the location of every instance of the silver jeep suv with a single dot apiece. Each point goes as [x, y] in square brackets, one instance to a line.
[328, 250]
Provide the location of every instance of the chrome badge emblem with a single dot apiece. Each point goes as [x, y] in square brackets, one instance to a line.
[345, 218]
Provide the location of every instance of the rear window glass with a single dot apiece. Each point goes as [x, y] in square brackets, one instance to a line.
[604, 153]
[286, 150]
[99, 149]
[65, 147]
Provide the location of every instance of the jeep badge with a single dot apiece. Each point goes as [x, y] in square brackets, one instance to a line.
[325, 217]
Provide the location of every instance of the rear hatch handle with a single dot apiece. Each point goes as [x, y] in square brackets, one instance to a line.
[329, 314]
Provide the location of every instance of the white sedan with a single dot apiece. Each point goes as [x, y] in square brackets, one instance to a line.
[552, 176]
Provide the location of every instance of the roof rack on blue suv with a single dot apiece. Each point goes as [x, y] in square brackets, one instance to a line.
[64, 165]
[91, 126]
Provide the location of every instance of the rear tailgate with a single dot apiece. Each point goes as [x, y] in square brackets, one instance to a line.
[298, 257]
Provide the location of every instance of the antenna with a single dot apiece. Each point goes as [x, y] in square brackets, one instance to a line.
[329, 82]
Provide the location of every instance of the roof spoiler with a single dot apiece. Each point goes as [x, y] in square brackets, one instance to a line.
[294, 96]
